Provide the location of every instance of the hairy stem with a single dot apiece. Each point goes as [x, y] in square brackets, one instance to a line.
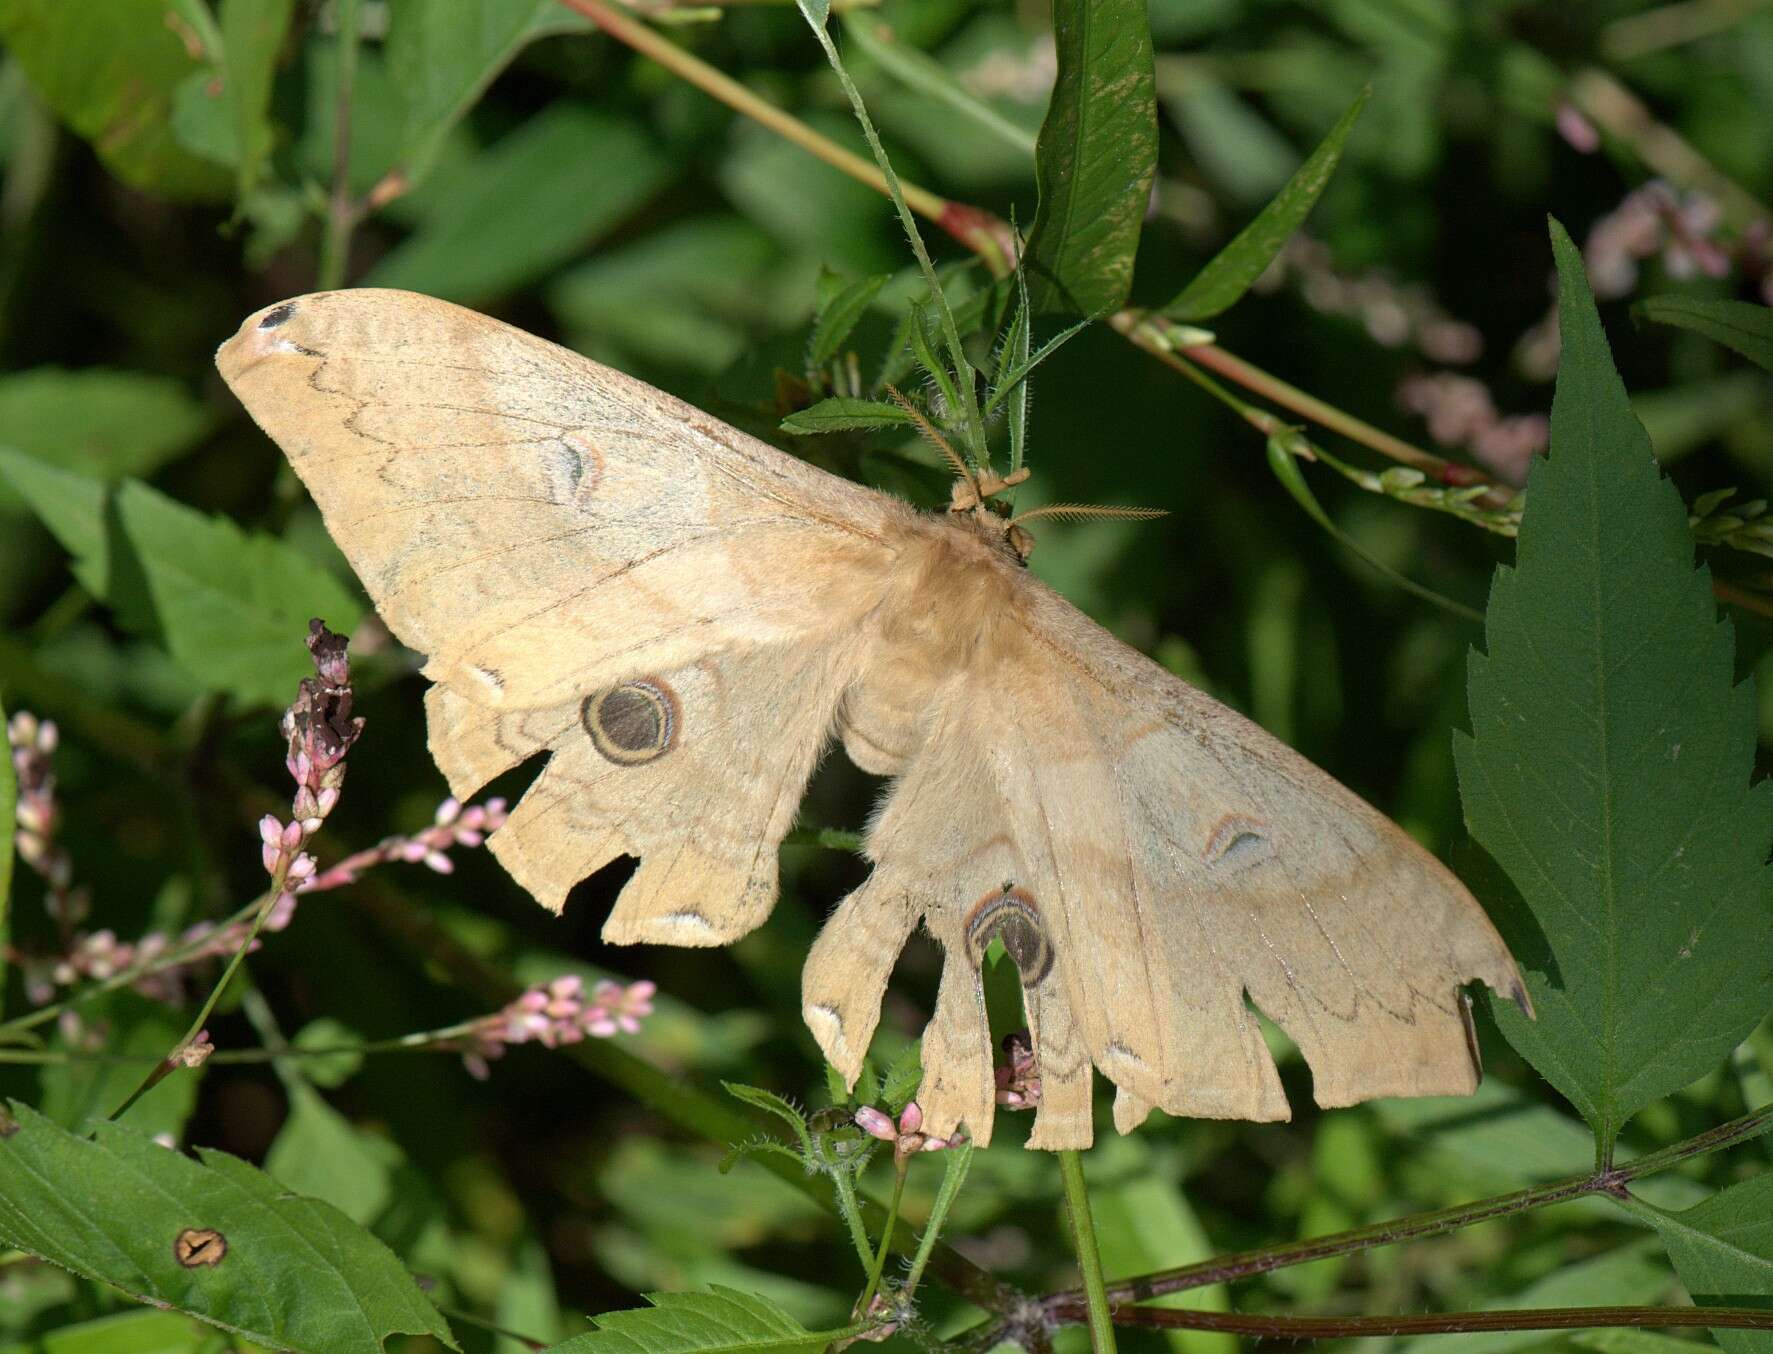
[1247, 1264]
[901, 1168]
[1439, 1323]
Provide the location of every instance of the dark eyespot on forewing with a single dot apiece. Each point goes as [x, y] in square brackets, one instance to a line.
[277, 315]
[1009, 914]
[633, 723]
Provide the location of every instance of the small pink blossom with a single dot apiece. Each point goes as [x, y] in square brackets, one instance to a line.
[1018, 1079]
[559, 1013]
[907, 1136]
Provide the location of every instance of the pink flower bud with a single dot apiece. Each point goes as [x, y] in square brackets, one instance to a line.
[911, 1118]
[875, 1124]
[439, 862]
[413, 851]
[567, 985]
[302, 867]
[447, 811]
[270, 830]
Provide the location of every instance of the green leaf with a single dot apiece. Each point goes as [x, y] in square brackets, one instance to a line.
[838, 318]
[444, 53]
[841, 412]
[1095, 158]
[1723, 1251]
[233, 608]
[252, 36]
[109, 69]
[323, 1155]
[108, 424]
[536, 199]
[132, 1332]
[1608, 767]
[296, 1274]
[333, 1068]
[720, 1321]
[1741, 325]
[771, 1103]
[73, 507]
[1231, 271]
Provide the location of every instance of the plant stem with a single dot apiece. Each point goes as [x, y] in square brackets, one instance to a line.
[1247, 1264]
[1440, 1323]
[955, 1165]
[1089, 1259]
[901, 1168]
[341, 211]
[279, 878]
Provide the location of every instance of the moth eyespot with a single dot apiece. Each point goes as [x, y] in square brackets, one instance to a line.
[1237, 842]
[633, 723]
[1009, 914]
[277, 315]
[576, 467]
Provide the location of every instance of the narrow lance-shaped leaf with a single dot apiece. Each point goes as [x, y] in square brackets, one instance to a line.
[1095, 158]
[1219, 285]
[217, 1239]
[1741, 325]
[720, 1321]
[1608, 767]
[1723, 1251]
[841, 413]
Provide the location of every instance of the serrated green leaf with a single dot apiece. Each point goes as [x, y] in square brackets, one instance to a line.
[111, 1208]
[720, 1321]
[838, 318]
[526, 205]
[232, 608]
[1228, 275]
[1723, 1251]
[1095, 158]
[109, 69]
[104, 423]
[1608, 767]
[1740, 325]
[841, 412]
[444, 53]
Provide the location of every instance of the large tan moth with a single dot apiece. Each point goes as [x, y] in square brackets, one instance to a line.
[682, 616]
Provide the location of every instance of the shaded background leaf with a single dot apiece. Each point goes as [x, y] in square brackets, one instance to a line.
[1741, 325]
[1723, 1251]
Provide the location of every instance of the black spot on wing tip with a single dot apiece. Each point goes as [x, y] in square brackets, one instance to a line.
[1518, 995]
[277, 315]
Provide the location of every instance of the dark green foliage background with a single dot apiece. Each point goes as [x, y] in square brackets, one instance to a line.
[593, 198]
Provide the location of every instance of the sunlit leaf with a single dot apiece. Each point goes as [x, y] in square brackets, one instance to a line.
[1609, 763]
[109, 69]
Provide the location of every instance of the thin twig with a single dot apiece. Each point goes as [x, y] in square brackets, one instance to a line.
[1439, 1323]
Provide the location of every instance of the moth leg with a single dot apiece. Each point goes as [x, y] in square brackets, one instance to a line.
[846, 973]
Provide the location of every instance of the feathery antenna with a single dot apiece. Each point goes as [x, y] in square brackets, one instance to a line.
[1077, 512]
[934, 437]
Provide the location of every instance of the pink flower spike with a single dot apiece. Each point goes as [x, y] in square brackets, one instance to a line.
[875, 1124]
